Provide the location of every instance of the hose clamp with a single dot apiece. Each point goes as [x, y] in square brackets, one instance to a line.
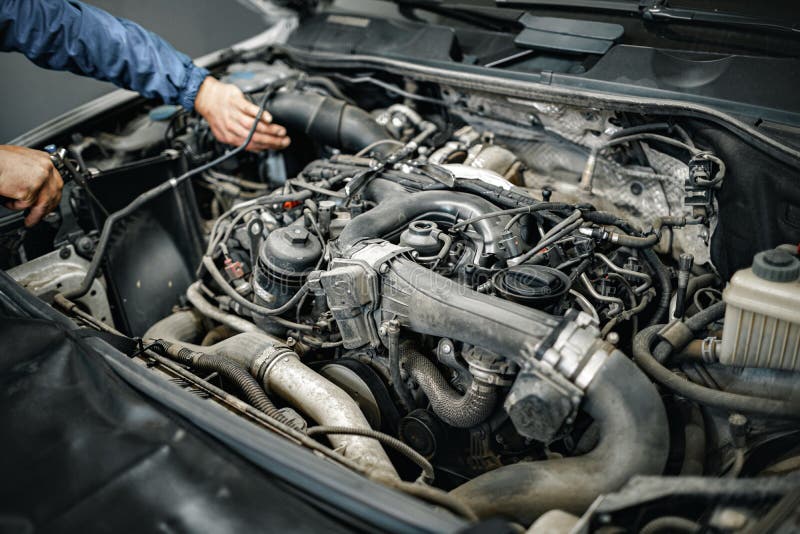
[263, 363]
[708, 349]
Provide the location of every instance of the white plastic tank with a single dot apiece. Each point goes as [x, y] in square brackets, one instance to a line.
[762, 314]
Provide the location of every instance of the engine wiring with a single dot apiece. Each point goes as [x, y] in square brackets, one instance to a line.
[158, 190]
[409, 295]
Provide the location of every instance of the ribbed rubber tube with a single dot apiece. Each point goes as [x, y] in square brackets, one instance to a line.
[227, 368]
[461, 411]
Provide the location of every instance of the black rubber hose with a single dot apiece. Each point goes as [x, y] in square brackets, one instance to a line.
[697, 323]
[665, 283]
[732, 402]
[700, 320]
[235, 372]
[328, 85]
[395, 212]
[694, 449]
[625, 240]
[327, 120]
[652, 239]
[634, 440]
[606, 218]
[461, 411]
[699, 282]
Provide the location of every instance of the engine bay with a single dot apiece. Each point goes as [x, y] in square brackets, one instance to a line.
[506, 307]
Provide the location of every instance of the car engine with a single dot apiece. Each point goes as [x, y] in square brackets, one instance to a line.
[505, 307]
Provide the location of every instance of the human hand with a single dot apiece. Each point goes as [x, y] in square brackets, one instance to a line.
[231, 116]
[28, 179]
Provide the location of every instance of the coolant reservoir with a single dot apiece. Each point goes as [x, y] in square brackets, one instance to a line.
[762, 316]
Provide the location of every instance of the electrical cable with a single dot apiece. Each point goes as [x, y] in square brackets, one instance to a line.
[389, 87]
[150, 194]
[401, 447]
[524, 210]
[211, 267]
[370, 146]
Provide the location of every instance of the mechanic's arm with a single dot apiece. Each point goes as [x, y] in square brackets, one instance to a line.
[73, 36]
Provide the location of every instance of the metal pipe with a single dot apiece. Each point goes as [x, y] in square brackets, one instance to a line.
[647, 280]
[329, 405]
[393, 346]
[283, 374]
[186, 325]
[602, 298]
[195, 297]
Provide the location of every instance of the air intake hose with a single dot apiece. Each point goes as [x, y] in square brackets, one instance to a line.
[397, 211]
[634, 440]
[327, 120]
[428, 303]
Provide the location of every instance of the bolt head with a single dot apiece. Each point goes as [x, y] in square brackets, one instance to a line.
[53, 218]
[84, 244]
[298, 236]
[737, 419]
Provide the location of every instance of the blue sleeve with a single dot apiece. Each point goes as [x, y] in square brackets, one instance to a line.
[73, 36]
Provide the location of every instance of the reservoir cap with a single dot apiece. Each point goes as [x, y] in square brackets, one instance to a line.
[776, 266]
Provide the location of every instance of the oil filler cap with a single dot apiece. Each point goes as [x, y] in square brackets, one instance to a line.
[533, 285]
[776, 266]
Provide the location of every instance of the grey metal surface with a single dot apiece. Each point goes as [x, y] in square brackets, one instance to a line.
[53, 273]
